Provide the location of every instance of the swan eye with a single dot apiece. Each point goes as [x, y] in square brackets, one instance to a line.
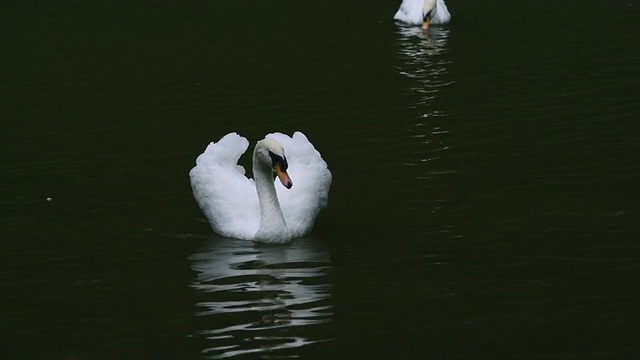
[277, 159]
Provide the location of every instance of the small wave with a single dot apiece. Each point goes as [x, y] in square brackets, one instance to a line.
[261, 299]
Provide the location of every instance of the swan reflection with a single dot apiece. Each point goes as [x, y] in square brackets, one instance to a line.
[258, 299]
[422, 59]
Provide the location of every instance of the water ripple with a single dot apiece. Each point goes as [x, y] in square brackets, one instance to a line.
[256, 299]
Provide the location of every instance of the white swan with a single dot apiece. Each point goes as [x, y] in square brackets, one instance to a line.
[260, 210]
[423, 12]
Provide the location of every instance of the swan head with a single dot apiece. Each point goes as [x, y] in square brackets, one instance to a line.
[270, 152]
[428, 11]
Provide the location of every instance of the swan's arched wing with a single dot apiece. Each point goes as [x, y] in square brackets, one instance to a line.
[442, 15]
[410, 12]
[311, 182]
[226, 196]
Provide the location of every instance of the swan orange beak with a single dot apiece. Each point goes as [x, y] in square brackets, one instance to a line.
[425, 24]
[283, 176]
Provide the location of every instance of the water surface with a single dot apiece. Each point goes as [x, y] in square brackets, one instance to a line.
[484, 200]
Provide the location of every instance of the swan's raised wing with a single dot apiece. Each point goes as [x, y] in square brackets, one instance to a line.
[311, 182]
[226, 196]
[410, 12]
[442, 15]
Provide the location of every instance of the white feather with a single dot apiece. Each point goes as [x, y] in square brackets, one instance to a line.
[229, 199]
[411, 12]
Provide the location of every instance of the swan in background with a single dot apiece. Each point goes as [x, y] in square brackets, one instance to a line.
[423, 12]
[259, 209]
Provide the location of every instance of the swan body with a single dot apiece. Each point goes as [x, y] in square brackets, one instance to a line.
[260, 209]
[423, 12]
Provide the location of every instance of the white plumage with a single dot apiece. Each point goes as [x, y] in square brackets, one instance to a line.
[412, 12]
[268, 212]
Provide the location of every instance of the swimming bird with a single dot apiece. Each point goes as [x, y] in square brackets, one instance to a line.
[260, 209]
[423, 12]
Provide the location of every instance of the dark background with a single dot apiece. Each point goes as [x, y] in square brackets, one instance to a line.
[484, 201]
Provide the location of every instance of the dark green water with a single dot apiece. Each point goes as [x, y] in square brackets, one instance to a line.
[485, 195]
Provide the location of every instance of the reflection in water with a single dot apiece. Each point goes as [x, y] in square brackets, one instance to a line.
[260, 298]
[423, 60]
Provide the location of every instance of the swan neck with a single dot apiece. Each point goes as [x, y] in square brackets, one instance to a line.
[273, 227]
[429, 6]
